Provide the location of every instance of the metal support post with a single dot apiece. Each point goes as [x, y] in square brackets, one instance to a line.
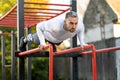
[28, 58]
[20, 29]
[74, 44]
[3, 57]
[13, 46]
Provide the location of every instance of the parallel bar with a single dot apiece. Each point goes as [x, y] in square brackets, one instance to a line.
[44, 9]
[94, 68]
[80, 48]
[29, 17]
[57, 54]
[36, 54]
[8, 26]
[101, 50]
[28, 11]
[51, 60]
[51, 55]
[47, 4]
[60, 13]
[72, 50]
[31, 51]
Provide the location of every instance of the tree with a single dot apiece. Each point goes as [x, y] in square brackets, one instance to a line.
[6, 5]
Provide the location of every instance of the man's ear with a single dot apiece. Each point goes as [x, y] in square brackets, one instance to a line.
[65, 21]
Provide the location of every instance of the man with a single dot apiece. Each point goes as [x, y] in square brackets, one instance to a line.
[55, 31]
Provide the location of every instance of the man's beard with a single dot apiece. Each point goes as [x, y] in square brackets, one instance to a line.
[72, 30]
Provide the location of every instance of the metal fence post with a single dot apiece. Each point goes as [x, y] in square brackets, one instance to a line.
[13, 48]
[20, 29]
[74, 44]
[3, 57]
[29, 58]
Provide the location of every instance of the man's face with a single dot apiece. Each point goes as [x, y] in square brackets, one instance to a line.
[71, 24]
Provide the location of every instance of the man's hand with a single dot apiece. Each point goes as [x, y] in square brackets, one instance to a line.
[42, 46]
[82, 46]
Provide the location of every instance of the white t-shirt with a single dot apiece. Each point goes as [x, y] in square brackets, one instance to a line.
[53, 31]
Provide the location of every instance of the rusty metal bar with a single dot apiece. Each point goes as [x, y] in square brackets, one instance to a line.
[51, 60]
[102, 50]
[41, 3]
[44, 8]
[72, 50]
[80, 48]
[94, 68]
[31, 51]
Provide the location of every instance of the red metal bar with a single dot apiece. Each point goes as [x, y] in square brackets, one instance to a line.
[94, 68]
[27, 11]
[51, 63]
[44, 9]
[41, 3]
[61, 12]
[50, 58]
[39, 18]
[101, 50]
[7, 25]
[31, 51]
[93, 57]
[13, 11]
[34, 17]
[72, 50]
[31, 15]
[10, 15]
[11, 19]
[35, 12]
[8, 21]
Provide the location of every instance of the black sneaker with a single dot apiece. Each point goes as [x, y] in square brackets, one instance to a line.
[22, 46]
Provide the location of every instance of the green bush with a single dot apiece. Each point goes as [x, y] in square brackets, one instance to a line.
[40, 68]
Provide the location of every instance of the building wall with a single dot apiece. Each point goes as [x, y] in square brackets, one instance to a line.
[95, 34]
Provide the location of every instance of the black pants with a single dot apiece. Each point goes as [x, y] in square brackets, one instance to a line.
[53, 44]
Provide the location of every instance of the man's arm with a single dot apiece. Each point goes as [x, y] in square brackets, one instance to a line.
[39, 29]
[81, 35]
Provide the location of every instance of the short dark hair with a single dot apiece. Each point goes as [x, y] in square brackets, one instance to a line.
[71, 14]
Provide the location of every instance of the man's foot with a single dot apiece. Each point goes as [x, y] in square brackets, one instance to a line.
[22, 46]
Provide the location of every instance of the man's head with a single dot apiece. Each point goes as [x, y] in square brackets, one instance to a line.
[71, 21]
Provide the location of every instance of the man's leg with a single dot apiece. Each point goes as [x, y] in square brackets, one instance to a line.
[54, 48]
[28, 38]
[22, 46]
